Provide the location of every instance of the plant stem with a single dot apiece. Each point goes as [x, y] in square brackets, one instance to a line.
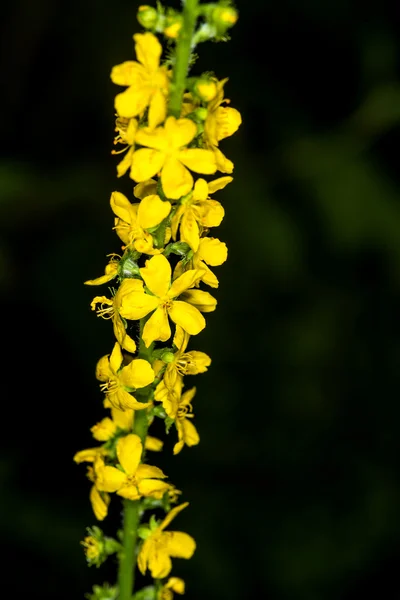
[127, 559]
[182, 57]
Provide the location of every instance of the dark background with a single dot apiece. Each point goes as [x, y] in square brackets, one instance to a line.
[295, 487]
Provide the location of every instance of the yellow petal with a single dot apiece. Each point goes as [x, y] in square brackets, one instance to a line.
[137, 374]
[199, 160]
[104, 430]
[148, 50]
[153, 487]
[111, 271]
[88, 455]
[157, 327]
[132, 102]
[130, 492]
[180, 545]
[152, 210]
[190, 437]
[201, 300]
[153, 444]
[127, 73]
[112, 479]
[181, 339]
[180, 132]
[176, 180]
[123, 418]
[129, 452]
[190, 230]
[187, 316]
[125, 163]
[121, 207]
[123, 400]
[208, 276]
[149, 472]
[153, 138]
[144, 553]
[116, 358]
[212, 213]
[176, 584]
[137, 305]
[172, 514]
[176, 219]
[103, 370]
[200, 190]
[184, 281]
[146, 163]
[223, 164]
[126, 342]
[157, 109]
[157, 275]
[187, 397]
[212, 251]
[99, 503]
[228, 121]
[218, 184]
[198, 362]
[160, 564]
[145, 188]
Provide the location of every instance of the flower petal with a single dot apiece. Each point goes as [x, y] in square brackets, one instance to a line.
[228, 121]
[127, 73]
[123, 400]
[146, 163]
[189, 435]
[121, 207]
[153, 138]
[103, 369]
[212, 251]
[111, 480]
[99, 503]
[160, 564]
[201, 300]
[126, 342]
[137, 305]
[184, 281]
[180, 132]
[157, 109]
[200, 190]
[137, 374]
[148, 50]
[198, 363]
[153, 444]
[129, 452]
[157, 327]
[149, 472]
[152, 210]
[116, 358]
[198, 160]
[145, 188]
[212, 213]
[153, 487]
[223, 164]
[179, 544]
[172, 514]
[189, 230]
[175, 179]
[157, 275]
[133, 101]
[218, 184]
[187, 316]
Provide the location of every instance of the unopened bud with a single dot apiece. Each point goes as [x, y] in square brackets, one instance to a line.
[225, 16]
[147, 16]
[168, 357]
[205, 89]
[173, 25]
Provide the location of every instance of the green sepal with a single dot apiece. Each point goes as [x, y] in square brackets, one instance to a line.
[103, 592]
[168, 423]
[143, 532]
[179, 248]
[158, 411]
[147, 593]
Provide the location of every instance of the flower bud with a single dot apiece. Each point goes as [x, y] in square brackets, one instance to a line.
[168, 357]
[223, 18]
[205, 89]
[147, 16]
[173, 25]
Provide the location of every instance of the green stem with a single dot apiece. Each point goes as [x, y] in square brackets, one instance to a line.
[182, 57]
[127, 560]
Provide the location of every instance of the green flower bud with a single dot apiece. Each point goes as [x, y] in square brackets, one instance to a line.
[147, 16]
[224, 17]
[206, 89]
[167, 357]
[173, 25]
[144, 532]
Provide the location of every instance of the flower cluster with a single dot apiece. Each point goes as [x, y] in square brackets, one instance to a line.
[157, 302]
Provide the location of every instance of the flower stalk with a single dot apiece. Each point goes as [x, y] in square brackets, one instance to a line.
[170, 126]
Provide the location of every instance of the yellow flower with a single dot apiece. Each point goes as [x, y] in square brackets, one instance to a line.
[119, 380]
[187, 432]
[147, 81]
[135, 480]
[197, 211]
[221, 122]
[93, 548]
[110, 309]
[156, 551]
[126, 129]
[99, 500]
[167, 152]
[161, 299]
[133, 220]
[211, 252]
[174, 584]
[183, 363]
[110, 272]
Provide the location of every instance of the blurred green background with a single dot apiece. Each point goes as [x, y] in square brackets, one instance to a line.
[295, 487]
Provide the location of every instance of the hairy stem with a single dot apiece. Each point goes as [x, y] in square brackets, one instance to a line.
[182, 57]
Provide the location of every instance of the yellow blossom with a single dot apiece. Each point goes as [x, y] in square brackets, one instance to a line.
[134, 480]
[99, 500]
[174, 584]
[157, 550]
[167, 152]
[147, 81]
[211, 252]
[126, 129]
[93, 548]
[133, 220]
[120, 380]
[162, 300]
[197, 211]
[203, 301]
[184, 363]
[110, 309]
[110, 272]
[187, 432]
[221, 122]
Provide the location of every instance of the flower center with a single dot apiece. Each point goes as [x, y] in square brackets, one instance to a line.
[166, 303]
